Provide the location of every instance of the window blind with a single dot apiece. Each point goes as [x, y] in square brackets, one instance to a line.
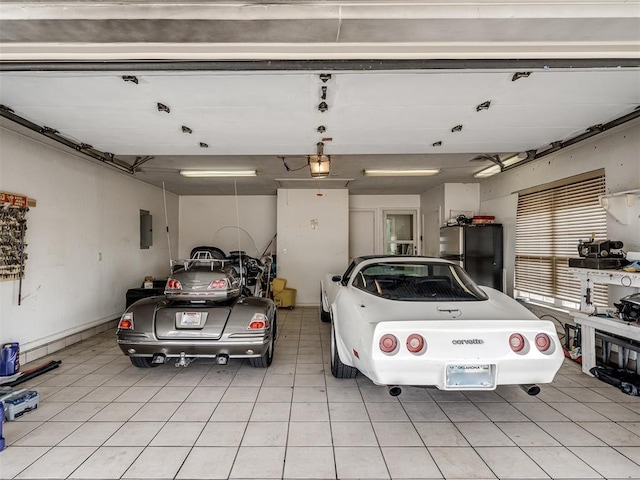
[549, 224]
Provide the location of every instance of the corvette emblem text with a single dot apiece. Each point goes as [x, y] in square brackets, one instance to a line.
[471, 341]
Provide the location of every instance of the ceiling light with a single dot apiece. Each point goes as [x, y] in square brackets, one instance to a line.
[497, 168]
[425, 172]
[163, 108]
[218, 173]
[483, 106]
[519, 75]
[457, 128]
[319, 164]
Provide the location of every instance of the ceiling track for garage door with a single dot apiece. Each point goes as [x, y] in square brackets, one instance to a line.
[321, 65]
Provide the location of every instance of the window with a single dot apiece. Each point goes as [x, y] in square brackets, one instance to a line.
[550, 222]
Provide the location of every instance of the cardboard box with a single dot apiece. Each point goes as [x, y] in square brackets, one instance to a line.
[148, 282]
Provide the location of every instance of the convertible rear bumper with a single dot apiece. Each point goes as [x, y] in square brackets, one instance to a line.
[240, 348]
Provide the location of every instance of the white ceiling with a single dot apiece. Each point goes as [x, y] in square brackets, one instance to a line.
[380, 114]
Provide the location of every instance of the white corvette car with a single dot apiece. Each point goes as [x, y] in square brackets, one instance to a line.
[423, 321]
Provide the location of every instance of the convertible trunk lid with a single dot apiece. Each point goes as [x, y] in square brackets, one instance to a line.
[191, 322]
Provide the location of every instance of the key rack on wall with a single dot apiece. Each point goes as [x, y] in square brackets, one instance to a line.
[13, 228]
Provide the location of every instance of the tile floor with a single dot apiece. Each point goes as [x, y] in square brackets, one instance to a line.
[102, 418]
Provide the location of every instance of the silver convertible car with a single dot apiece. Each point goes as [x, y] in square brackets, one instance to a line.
[206, 312]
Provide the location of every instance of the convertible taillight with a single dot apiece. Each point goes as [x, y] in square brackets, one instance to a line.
[416, 343]
[126, 321]
[258, 322]
[218, 284]
[543, 342]
[388, 343]
[516, 342]
[173, 284]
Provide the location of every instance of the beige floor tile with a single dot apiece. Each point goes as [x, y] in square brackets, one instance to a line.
[309, 462]
[134, 434]
[309, 434]
[91, 434]
[230, 412]
[348, 412]
[612, 434]
[271, 412]
[228, 434]
[386, 412]
[527, 434]
[424, 412]
[157, 463]
[559, 462]
[440, 434]
[275, 394]
[360, 462]
[79, 412]
[460, 463]
[353, 434]
[49, 434]
[155, 412]
[398, 434]
[193, 412]
[183, 434]
[607, 462]
[510, 462]
[410, 462]
[570, 434]
[258, 462]
[16, 459]
[483, 434]
[265, 434]
[107, 463]
[117, 412]
[208, 463]
[59, 462]
[305, 412]
[171, 394]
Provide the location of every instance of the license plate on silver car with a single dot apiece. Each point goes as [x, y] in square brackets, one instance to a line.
[190, 319]
[470, 376]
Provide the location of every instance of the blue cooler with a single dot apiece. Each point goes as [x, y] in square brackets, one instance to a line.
[9, 359]
[1, 421]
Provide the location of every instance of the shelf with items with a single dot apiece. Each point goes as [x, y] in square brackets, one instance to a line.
[591, 325]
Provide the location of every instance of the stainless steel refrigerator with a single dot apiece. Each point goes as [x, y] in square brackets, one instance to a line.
[478, 249]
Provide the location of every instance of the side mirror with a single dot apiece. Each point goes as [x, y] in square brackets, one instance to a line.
[336, 278]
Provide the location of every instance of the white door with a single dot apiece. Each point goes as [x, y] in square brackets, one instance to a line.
[400, 232]
[362, 233]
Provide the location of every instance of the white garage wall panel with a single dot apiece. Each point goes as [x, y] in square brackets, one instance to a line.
[313, 238]
[83, 243]
[245, 222]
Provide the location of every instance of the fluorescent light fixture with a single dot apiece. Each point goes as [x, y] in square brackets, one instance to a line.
[425, 172]
[218, 173]
[493, 169]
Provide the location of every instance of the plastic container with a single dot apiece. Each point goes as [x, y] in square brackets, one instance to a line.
[9, 359]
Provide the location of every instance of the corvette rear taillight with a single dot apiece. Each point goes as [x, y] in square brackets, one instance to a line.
[543, 342]
[516, 342]
[416, 343]
[173, 284]
[388, 343]
[126, 321]
[218, 284]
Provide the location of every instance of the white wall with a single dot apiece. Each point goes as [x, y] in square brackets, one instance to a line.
[83, 210]
[617, 151]
[213, 221]
[313, 238]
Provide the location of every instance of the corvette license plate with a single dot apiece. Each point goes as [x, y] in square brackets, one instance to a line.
[470, 376]
[190, 319]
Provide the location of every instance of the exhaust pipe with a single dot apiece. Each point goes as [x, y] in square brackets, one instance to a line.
[159, 358]
[531, 389]
[222, 359]
[394, 390]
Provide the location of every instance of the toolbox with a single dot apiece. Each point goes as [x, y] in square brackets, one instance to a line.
[18, 403]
